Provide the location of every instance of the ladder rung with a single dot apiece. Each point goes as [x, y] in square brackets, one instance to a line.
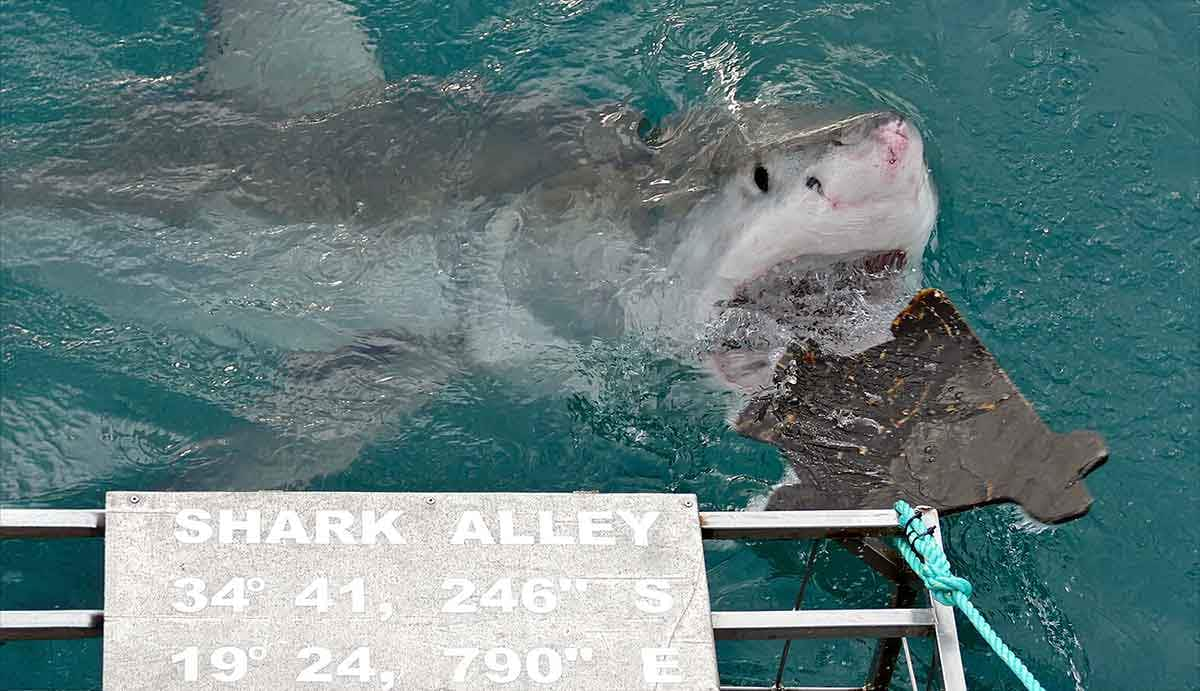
[769, 625]
[51, 523]
[796, 525]
[716, 525]
[791, 688]
[54, 624]
[822, 623]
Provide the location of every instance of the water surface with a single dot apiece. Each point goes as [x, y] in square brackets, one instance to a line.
[1063, 136]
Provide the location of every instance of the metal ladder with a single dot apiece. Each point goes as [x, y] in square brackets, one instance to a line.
[858, 530]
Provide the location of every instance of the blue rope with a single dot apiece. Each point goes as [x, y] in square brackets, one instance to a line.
[926, 558]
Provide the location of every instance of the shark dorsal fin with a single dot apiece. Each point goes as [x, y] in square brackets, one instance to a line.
[289, 57]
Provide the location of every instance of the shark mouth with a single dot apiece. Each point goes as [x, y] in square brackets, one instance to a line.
[842, 306]
[806, 274]
[894, 260]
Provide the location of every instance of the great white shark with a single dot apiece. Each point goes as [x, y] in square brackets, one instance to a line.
[410, 231]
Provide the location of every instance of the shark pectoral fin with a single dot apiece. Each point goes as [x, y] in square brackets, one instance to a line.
[290, 56]
[500, 331]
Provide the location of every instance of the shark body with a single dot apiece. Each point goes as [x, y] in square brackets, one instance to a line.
[402, 234]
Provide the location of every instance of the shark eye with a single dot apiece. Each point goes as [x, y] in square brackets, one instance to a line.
[813, 184]
[761, 179]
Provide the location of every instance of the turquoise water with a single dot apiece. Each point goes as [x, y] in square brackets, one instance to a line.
[1063, 137]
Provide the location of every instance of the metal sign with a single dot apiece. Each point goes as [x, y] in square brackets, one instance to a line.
[281, 590]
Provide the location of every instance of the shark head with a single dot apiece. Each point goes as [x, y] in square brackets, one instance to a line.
[855, 188]
[788, 202]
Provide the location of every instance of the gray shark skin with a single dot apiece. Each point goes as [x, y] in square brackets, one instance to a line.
[401, 235]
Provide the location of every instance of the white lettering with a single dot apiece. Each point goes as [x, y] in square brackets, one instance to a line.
[546, 531]
[330, 523]
[472, 527]
[659, 666]
[228, 525]
[287, 526]
[385, 526]
[652, 595]
[590, 522]
[641, 528]
[508, 534]
[193, 526]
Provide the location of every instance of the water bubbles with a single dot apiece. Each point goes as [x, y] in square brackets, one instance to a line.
[333, 264]
[1028, 54]
[637, 436]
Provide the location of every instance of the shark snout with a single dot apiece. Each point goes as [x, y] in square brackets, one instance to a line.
[896, 126]
[893, 135]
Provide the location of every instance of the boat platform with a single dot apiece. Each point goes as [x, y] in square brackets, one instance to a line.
[312, 590]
